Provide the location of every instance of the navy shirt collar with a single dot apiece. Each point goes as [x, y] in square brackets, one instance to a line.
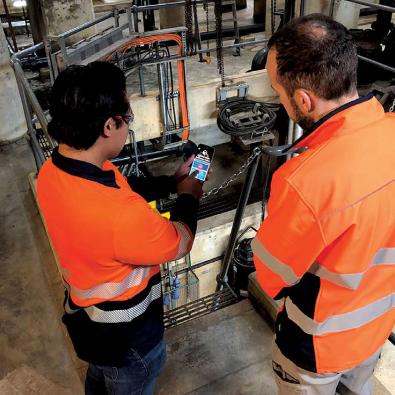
[83, 169]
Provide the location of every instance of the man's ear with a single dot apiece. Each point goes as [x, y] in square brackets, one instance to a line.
[305, 100]
[108, 127]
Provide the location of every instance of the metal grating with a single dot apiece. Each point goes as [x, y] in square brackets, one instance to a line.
[199, 308]
[44, 145]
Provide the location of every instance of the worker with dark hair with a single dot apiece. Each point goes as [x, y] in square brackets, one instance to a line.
[327, 245]
[108, 240]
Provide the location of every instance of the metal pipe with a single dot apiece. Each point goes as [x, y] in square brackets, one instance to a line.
[235, 27]
[141, 80]
[245, 193]
[229, 32]
[141, 8]
[234, 45]
[130, 22]
[136, 22]
[332, 8]
[163, 101]
[116, 17]
[26, 108]
[377, 6]
[40, 159]
[302, 6]
[298, 131]
[291, 128]
[84, 26]
[378, 64]
[171, 58]
[8, 16]
[33, 102]
[148, 156]
[27, 51]
[200, 264]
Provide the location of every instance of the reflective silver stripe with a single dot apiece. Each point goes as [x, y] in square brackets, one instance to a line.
[67, 307]
[112, 290]
[276, 266]
[185, 239]
[344, 280]
[385, 256]
[127, 315]
[341, 322]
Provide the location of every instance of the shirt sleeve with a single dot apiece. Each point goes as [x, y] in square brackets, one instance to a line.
[288, 241]
[143, 237]
[152, 188]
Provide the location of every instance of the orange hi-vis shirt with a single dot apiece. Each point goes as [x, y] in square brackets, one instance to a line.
[109, 243]
[328, 243]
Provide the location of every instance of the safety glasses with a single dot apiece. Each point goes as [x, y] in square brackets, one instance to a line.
[127, 118]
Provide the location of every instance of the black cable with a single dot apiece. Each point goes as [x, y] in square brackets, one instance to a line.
[239, 117]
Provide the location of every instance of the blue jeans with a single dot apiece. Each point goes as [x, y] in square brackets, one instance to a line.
[137, 378]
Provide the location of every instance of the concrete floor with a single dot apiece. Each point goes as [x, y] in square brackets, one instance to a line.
[227, 352]
[224, 353]
[30, 329]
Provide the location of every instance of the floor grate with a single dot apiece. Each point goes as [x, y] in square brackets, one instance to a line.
[199, 307]
[44, 145]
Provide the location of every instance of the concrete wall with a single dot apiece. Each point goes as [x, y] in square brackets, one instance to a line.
[11, 9]
[62, 15]
[346, 13]
[171, 17]
[212, 240]
[202, 103]
[13, 124]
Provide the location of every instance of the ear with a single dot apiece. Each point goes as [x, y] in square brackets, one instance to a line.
[108, 127]
[305, 100]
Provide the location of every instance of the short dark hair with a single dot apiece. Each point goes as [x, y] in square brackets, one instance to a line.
[82, 99]
[316, 53]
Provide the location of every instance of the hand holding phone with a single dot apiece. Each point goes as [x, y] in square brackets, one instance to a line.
[184, 169]
[202, 161]
[191, 186]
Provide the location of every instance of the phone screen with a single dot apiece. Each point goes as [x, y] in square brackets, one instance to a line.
[202, 161]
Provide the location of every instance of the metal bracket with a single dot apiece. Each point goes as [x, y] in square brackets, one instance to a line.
[240, 91]
[256, 138]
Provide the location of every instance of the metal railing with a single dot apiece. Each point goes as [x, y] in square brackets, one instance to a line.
[36, 119]
[59, 55]
[378, 7]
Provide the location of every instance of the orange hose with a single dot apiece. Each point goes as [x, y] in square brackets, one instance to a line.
[181, 74]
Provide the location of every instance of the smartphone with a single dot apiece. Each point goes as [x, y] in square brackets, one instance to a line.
[202, 161]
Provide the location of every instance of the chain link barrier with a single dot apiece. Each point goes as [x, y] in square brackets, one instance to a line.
[214, 191]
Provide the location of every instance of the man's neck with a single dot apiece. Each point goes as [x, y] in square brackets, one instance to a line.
[90, 155]
[324, 107]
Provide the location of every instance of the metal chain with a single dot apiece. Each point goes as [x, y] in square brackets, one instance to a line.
[392, 108]
[256, 152]
[189, 26]
[218, 29]
[273, 16]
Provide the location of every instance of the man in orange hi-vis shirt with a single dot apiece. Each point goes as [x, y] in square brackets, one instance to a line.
[109, 241]
[327, 245]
